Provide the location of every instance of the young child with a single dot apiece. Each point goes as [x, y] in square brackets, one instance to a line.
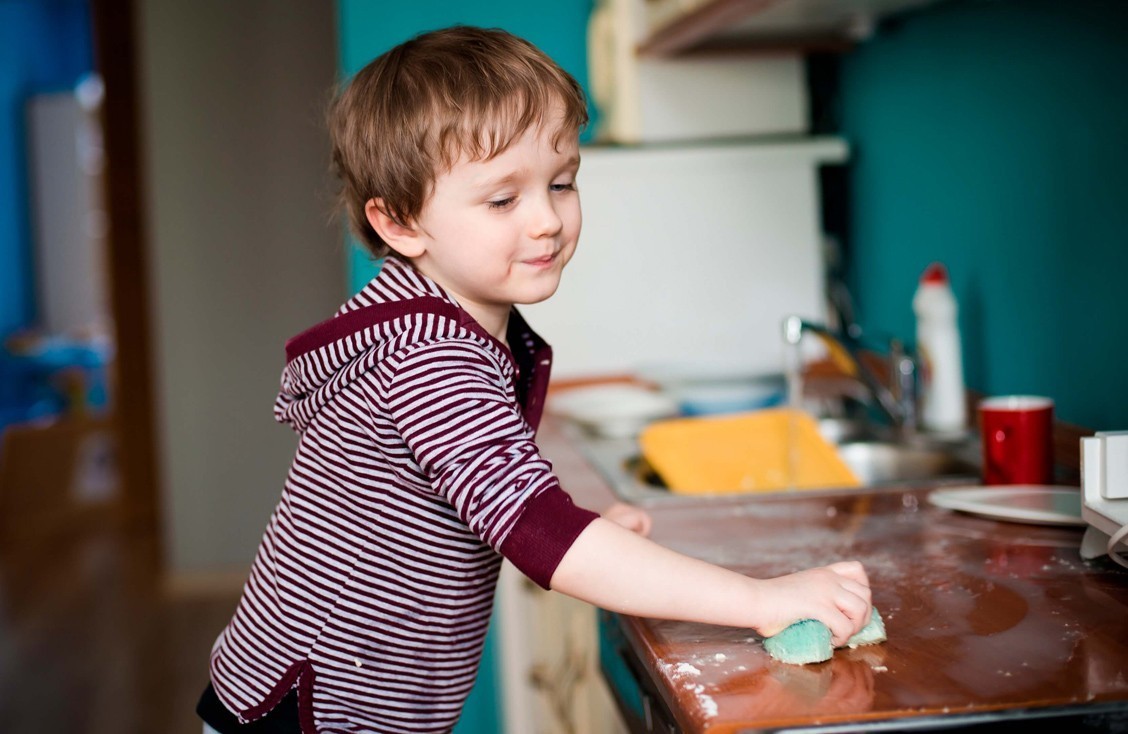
[416, 471]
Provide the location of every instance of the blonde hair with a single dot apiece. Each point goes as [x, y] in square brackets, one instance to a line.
[416, 110]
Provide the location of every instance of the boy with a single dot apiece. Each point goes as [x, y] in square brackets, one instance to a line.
[416, 405]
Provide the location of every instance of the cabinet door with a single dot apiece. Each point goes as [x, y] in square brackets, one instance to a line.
[550, 662]
[749, 256]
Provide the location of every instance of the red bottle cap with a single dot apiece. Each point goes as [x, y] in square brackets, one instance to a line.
[935, 273]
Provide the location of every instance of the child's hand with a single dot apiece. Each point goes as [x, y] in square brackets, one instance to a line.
[630, 517]
[837, 595]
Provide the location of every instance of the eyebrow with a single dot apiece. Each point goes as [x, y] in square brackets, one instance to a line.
[489, 183]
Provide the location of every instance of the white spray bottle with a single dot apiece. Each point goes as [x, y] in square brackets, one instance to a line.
[943, 401]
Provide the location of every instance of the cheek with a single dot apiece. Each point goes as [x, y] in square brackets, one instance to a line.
[574, 220]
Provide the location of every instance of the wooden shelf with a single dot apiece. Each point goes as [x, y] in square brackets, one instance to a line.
[767, 149]
[698, 27]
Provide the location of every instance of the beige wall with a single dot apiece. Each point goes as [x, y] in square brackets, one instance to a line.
[242, 252]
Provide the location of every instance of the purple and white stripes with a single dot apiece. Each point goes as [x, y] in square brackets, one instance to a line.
[373, 586]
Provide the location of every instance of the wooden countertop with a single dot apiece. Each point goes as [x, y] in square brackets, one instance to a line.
[985, 619]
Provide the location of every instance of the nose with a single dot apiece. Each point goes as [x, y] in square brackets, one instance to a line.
[544, 220]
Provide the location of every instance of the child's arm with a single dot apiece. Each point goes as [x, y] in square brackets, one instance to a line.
[618, 570]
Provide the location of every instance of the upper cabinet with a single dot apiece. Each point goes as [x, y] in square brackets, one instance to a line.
[690, 27]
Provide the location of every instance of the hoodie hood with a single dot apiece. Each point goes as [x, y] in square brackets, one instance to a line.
[325, 359]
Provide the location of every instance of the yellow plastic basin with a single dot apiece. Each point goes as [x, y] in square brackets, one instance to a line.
[764, 450]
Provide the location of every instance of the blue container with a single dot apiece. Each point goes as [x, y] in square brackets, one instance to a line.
[33, 379]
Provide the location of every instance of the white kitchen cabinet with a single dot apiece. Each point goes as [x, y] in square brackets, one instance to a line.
[690, 255]
[550, 662]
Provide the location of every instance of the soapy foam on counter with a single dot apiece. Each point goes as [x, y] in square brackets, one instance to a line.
[682, 675]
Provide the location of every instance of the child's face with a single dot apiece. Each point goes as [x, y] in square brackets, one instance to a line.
[499, 232]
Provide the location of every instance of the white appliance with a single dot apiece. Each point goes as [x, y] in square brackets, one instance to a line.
[690, 254]
[66, 167]
[1104, 495]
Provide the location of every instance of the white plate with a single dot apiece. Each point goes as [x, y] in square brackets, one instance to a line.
[1030, 503]
[615, 410]
[712, 390]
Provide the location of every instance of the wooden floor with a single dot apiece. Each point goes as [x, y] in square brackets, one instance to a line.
[91, 642]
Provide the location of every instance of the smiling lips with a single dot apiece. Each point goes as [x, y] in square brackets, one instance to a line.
[541, 262]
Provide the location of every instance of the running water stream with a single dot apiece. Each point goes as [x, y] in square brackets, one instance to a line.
[793, 370]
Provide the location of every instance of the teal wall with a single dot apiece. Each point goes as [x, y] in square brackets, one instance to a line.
[993, 136]
[367, 29]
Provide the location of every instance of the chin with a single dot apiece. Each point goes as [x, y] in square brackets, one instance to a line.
[531, 299]
[539, 292]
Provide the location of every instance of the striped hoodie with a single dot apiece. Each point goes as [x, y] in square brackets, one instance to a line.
[372, 588]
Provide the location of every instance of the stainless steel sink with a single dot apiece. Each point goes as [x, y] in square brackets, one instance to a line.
[880, 462]
[874, 457]
[842, 430]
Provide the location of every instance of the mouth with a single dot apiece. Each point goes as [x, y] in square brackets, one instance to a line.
[541, 262]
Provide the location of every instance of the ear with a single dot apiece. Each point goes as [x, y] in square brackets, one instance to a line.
[403, 238]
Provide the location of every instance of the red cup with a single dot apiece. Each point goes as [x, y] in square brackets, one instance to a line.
[1018, 444]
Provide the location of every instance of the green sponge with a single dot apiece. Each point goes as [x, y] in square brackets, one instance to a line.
[808, 641]
[871, 634]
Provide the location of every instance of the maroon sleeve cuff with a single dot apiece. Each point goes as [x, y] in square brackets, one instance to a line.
[544, 533]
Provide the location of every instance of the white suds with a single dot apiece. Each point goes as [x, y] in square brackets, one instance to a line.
[678, 673]
[686, 669]
[708, 705]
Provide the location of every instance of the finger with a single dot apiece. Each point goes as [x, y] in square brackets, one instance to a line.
[841, 629]
[859, 590]
[612, 510]
[853, 615]
[627, 521]
[855, 609]
[851, 570]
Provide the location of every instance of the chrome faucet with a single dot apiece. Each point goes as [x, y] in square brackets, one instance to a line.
[896, 399]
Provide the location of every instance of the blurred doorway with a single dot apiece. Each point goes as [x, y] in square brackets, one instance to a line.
[115, 59]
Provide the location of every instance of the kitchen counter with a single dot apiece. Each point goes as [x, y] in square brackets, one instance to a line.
[987, 621]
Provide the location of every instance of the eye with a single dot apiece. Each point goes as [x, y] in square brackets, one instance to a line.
[571, 186]
[502, 203]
